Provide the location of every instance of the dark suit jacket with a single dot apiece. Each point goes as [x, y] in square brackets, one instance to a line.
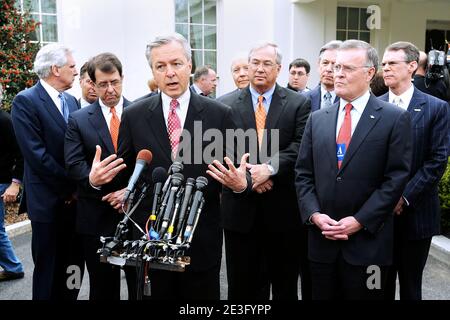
[228, 96]
[11, 160]
[143, 127]
[40, 130]
[86, 129]
[316, 98]
[421, 219]
[288, 113]
[371, 179]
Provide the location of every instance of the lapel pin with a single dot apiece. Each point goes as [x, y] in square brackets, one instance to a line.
[417, 110]
[372, 117]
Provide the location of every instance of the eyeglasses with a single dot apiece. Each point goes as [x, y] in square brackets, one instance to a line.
[347, 69]
[300, 74]
[105, 85]
[392, 63]
[266, 65]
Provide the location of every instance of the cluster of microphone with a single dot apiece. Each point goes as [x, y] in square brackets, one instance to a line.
[176, 208]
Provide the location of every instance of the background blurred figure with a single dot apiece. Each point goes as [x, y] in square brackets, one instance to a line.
[239, 72]
[436, 88]
[298, 75]
[11, 175]
[88, 94]
[323, 95]
[153, 86]
[377, 86]
[205, 81]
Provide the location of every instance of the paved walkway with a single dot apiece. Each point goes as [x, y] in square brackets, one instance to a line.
[436, 284]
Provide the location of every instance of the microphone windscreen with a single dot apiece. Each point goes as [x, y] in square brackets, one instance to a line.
[145, 155]
[159, 174]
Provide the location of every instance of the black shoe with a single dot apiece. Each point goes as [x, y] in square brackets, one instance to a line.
[6, 275]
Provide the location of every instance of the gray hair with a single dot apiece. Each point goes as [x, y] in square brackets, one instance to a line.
[279, 56]
[411, 51]
[201, 71]
[332, 45]
[163, 40]
[50, 55]
[371, 53]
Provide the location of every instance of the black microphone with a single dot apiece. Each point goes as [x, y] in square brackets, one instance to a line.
[189, 188]
[143, 159]
[196, 207]
[176, 167]
[175, 182]
[159, 174]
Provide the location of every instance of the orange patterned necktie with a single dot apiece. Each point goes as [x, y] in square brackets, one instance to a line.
[260, 118]
[345, 135]
[114, 125]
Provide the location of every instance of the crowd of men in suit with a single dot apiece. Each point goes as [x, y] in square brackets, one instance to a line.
[352, 184]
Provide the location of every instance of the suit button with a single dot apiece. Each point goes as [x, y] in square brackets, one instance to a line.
[339, 179]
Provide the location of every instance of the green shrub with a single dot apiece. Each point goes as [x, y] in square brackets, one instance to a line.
[444, 197]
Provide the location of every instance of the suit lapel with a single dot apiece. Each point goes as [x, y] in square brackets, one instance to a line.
[245, 108]
[276, 107]
[416, 107]
[329, 131]
[50, 106]
[98, 121]
[368, 120]
[157, 125]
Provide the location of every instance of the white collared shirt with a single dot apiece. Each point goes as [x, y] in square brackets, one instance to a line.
[405, 97]
[53, 93]
[107, 110]
[268, 95]
[84, 103]
[197, 89]
[359, 105]
[182, 109]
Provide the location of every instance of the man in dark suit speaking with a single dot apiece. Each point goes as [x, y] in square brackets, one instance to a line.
[417, 214]
[40, 117]
[155, 124]
[353, 164]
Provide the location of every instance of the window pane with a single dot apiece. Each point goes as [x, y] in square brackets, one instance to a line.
[364, 36]
[196, 11]
[35, 36]
[197, 59]
[210, 12]
[210, 37]
[341, 18]
[363, 17]
[31, 5]
[48, 6]
[181, 11]
[353, 18]
[196, 37]
[49, 29]
[352, 35]
[182, 29]
[211, 60]
[341, 35]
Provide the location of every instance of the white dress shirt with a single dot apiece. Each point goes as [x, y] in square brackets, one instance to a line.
[359, 105]
[402, 100]
[53, 93]
[107, 110]
[182, 109]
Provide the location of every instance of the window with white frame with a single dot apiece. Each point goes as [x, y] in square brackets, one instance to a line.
[44, 12]
[352, 24]
[196, 20]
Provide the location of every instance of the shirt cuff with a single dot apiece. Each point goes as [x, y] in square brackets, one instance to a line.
[16, 181]
[96, 188]
[406, 201]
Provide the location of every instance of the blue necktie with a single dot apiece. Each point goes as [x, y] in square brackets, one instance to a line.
[64, 107]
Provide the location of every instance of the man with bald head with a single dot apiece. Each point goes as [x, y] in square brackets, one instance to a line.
[239, 72]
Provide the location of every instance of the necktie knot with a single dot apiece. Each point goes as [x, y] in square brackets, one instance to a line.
[398, 101]
[113, 110]
[260, 99]
[173, 105]
[348, 108]
[327, 96]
